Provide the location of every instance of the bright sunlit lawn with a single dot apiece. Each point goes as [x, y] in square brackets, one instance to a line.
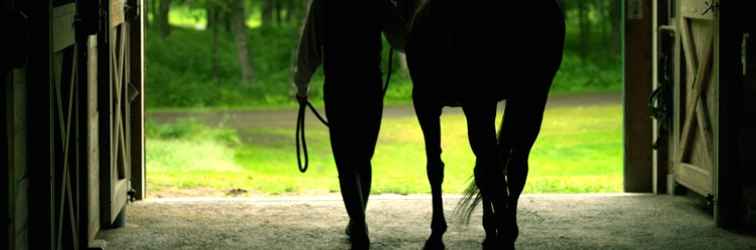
[579, 150]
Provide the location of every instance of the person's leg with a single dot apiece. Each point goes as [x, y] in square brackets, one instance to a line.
[350, 173]
[353, 134]
[370, 128]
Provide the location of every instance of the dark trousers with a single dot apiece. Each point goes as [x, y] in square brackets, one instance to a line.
[354, 110]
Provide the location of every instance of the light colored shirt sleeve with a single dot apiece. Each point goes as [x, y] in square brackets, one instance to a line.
[310, 50]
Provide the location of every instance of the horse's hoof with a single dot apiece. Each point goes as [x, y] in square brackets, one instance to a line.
[488, 244]
[498, 244]
[360, 244]
[432, 244]
[505, 243]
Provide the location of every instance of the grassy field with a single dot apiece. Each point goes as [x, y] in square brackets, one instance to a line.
[579, 150]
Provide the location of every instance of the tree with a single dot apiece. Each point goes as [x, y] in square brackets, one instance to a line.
[616, 29]
[164, 8]
[584, 36]
[213, 11]
[267, 12]
[278, 12]
[239, 28]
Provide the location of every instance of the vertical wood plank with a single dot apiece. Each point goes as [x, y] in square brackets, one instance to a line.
[105, 131]
[138, 174]
[20, 177]
[727, 212]
[138, 167]
[6, 140]
[116, 12]
[664, 39]
[40, 136]
[638, 167]
[93, 146]
[677, 96]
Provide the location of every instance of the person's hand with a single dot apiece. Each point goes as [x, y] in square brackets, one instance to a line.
[301, 94]
[301, 98]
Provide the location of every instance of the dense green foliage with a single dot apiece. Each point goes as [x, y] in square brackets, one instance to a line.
[180, 72]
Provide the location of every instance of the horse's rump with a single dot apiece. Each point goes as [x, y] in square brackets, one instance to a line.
[460, 53]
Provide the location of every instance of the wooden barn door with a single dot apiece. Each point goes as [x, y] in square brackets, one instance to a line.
[64, 121]
[120, 57]
[696, 97]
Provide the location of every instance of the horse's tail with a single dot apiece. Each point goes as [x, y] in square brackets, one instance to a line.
[470, 200]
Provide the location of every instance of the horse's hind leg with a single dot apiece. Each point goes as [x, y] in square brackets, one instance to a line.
[429, 118]
[519, 130]
[489, 224]
[489, 174]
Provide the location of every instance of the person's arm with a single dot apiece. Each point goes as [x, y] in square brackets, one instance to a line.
[310, 50]
[395, 27]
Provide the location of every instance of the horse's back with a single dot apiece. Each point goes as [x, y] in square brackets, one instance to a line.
[487, 51]
[515, 49]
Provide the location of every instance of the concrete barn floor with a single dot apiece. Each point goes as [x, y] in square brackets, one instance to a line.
[602, 221]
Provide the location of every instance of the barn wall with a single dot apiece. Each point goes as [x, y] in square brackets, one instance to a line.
[38, 118]
[747, 138]
[736, 203]
[35, 140]
[5, 183]
[16, 178]
[13, 133]
[20, 173]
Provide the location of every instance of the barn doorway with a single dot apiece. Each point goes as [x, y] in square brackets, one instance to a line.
[73, 134]
[219, 120]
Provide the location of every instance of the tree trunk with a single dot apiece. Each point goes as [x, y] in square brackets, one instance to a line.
[239, 28]
[212, 26]
[585, 29]
[279, 12]
[162, 18]
[616, 29]
[210, 15]
[267, 12]
[147, 7]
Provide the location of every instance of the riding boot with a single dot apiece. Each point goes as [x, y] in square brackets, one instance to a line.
[358, 235]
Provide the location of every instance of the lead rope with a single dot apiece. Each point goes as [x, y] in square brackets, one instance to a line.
[301, 141]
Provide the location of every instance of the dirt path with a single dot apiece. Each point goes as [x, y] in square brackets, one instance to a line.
[603, 221]
[287, 118]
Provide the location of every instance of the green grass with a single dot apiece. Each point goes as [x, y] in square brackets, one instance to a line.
[579, 150]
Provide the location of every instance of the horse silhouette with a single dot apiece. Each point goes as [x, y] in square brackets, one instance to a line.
[473, 55]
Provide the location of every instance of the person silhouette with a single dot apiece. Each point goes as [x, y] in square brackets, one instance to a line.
[345, 38]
